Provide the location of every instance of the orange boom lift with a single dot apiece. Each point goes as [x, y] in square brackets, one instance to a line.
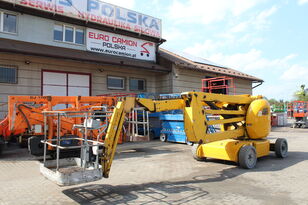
[25, 120]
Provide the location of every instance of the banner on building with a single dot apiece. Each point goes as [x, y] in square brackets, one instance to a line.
[119, 45]
[98, 12]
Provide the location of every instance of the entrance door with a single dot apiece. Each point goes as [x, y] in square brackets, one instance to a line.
[58, 83]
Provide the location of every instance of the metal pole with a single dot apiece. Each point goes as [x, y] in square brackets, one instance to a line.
[133, 124]
[58, 139]
[85, 148]
[148, 124]
[143, 120]
[45, 136]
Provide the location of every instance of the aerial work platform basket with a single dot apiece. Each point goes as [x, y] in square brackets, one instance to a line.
[75, 170]
[223, 85]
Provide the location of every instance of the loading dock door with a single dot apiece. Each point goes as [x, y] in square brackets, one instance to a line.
[65, 84]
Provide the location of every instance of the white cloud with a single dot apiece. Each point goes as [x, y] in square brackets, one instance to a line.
[129, 4]
[262, 19]
[206, 48]
[302, 2]
[252, 61]
[208, 11]
[295, 72]
[174, 33]
[280, 75]
[256, 22]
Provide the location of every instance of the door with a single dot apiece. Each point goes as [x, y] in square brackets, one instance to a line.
[58, 83]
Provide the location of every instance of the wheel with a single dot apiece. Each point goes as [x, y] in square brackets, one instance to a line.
[35, 146]
[247, 157]
[194, 149]
[163, 137]
[281, 148]
[2, 145]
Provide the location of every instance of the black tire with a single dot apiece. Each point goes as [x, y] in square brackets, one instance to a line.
[163, 137]
[35, 146]
[1, 148]
[194, 148]
[247, 157]
[281, 148]
[2, 145]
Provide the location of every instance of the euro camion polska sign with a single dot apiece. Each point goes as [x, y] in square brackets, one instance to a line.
[119, 45]
[98, 12]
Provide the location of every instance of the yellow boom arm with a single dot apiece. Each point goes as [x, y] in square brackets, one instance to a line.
[232, 110]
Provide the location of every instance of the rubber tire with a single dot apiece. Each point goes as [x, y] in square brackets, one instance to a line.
[281, 148]
[247, 157]
[2, 145]
[194, 148]
[1, 148]
[163, 137]
[35, 146]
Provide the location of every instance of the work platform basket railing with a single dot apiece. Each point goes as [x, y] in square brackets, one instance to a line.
[222, 84]
[85, 143]
[138, 124]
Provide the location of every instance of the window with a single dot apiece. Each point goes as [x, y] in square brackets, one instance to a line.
[58, 33]
[8, 74]
[115, 82]
[69, 34]
[136, 84]
[79, 36]
[8, 23]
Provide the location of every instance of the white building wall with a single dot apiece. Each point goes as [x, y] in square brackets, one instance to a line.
[38, 30]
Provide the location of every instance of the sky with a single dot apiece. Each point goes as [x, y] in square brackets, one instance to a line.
[264, 38]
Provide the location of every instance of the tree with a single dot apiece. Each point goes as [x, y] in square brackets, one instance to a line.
[301, 94]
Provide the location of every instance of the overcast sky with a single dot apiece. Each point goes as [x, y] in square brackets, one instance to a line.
[264, 38]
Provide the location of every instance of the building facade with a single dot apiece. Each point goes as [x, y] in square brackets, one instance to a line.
[45, 53]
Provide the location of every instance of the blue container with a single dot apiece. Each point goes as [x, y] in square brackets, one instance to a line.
[174, 130]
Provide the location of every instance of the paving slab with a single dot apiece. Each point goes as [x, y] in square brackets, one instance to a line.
[165, 173]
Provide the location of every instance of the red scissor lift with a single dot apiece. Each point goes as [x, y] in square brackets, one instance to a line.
[221, 85]
[299, 111]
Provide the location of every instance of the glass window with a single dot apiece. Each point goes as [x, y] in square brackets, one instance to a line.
[58, 33]
[69, 34]
[79, 36]
[115, 82]
[9, 23]
[137, 84]
[8, 75]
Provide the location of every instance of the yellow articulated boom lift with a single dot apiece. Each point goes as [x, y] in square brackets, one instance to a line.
[244, 122]
[245, 126]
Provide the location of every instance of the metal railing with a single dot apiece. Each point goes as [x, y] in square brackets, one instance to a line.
[138, 123]
[85, 143]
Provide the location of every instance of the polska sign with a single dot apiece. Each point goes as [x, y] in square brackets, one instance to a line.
[119, 45]
[98, 12]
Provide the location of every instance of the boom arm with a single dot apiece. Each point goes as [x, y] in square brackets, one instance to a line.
[195, 106]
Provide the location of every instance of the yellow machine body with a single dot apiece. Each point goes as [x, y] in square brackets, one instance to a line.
[258, 119]
[245, 124]
[228, 149]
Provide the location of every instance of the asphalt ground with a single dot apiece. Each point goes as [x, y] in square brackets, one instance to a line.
[165, 173]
